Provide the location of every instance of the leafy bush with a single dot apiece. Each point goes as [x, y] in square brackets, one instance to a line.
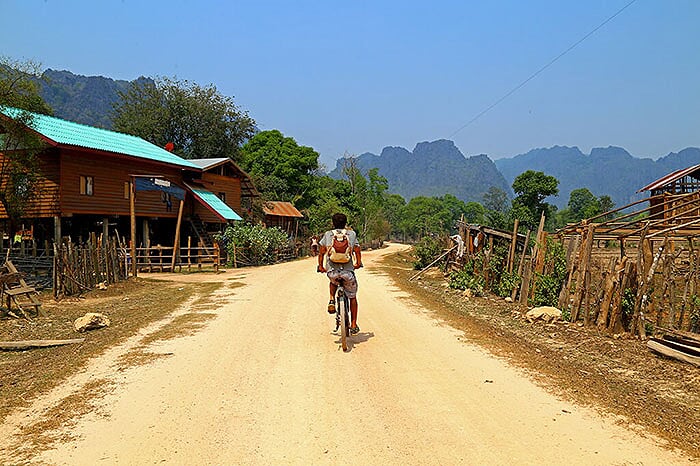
[498, 259]
[548, 284]
[464, 279]
[259, 244]
[426, 251]
[507, 282]
[547, 290]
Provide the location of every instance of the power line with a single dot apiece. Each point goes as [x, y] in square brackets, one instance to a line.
[532, 76]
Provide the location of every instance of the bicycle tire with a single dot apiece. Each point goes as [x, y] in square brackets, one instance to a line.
[342, 303]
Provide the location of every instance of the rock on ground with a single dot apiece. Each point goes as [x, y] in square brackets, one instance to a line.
[545, 313]
[91, 321]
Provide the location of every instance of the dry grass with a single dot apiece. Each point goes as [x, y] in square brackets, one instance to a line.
[48, 429]
[130, 306]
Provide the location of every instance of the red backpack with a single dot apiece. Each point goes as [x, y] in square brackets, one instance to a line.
[340, 250]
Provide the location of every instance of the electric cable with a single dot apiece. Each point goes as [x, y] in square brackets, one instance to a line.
[532, 76]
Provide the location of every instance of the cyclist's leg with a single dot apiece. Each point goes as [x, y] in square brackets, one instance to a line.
[351, 292]
[333, 287]
[353, 312]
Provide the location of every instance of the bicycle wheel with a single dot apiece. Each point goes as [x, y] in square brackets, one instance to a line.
[342, 303]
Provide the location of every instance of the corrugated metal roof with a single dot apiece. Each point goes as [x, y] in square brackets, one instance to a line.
[281, 209]
[248, 188]
[63, 132]
[670, 178]
[212, 202]
[208, 163]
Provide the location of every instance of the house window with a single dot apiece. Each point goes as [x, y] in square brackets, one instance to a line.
[222, 196]
[86, 185]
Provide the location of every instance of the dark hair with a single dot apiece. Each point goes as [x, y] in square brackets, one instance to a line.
[339, 220]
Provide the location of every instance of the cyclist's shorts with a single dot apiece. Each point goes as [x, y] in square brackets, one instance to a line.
[349, 280]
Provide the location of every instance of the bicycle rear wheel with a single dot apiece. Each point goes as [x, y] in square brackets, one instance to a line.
[343, 309]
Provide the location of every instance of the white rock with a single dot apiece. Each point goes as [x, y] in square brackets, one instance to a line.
[91, 321]
[508, 299]
[545, 313]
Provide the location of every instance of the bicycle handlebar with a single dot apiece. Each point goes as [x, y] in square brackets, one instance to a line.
[318, 267]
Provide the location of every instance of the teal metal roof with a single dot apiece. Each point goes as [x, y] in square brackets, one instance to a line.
[68, 133]
[213, 203]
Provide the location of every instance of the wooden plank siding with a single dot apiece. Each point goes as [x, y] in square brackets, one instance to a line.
[46, 200]
[109, 175]
[230, 186]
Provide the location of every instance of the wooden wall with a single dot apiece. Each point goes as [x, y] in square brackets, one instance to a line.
[46, 200]
[59, 187]
[110, 174]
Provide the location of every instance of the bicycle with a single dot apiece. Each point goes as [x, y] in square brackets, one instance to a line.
[342, 315]
[342, 312]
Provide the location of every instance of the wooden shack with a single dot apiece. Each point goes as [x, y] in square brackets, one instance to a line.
[669, 196]
[283, 215]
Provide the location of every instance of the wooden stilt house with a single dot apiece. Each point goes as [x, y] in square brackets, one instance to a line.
[85, 180]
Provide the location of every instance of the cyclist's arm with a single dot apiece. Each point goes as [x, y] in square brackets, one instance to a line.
[321, 256]
[358, 257]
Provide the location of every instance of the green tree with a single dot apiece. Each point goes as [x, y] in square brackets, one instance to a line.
[393, 206]
[372, 207]
[531, 188]
[281, 169]
[496, 208]
[367, 201]
[19, 148]
[474, 213]
[496, 199]
[606, 205]
[329, 196]
[583, 204]
[425, 216]
[454, 207]
[199, 121]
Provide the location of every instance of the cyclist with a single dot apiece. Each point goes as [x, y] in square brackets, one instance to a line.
[331, 260]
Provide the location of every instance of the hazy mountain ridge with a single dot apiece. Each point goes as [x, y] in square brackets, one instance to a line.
[83, 99]
[432, 169]
[610, 170]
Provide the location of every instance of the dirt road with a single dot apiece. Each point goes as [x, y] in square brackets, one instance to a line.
[265, 383]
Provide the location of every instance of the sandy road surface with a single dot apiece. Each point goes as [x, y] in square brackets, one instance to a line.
[266, 383]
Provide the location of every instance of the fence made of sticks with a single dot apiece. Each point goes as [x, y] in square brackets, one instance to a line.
[78, 268]
[72, 268]
[637, 273]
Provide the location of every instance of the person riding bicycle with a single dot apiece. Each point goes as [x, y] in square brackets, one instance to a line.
[337, 247]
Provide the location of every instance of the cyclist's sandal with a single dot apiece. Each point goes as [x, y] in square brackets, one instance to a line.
[354, 330]
[331, 307]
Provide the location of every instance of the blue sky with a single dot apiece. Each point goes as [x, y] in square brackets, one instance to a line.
[354, 77]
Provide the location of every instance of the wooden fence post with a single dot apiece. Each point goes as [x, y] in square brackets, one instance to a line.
[584, 262]
[637, 326]
[513, 244]
[514, 291]
[610, 280]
